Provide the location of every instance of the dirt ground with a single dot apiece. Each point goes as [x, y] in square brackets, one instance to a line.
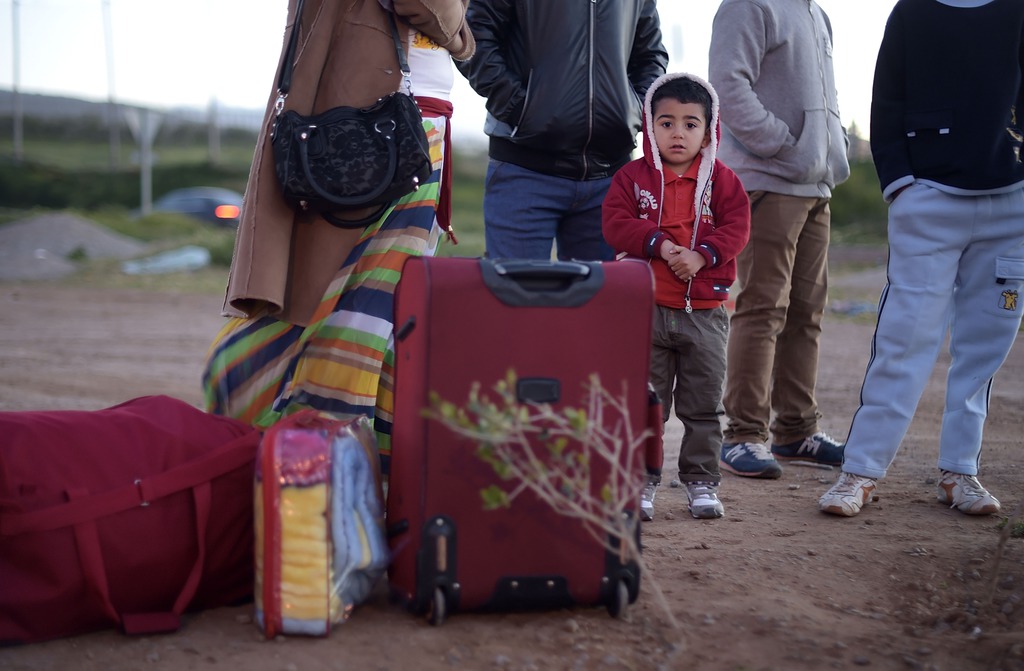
[775, 584]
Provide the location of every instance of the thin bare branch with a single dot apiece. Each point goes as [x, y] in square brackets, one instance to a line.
[528, 444]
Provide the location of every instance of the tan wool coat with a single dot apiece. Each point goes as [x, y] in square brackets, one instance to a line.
[283, 259]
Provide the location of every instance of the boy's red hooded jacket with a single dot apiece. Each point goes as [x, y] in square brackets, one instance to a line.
[721, 211]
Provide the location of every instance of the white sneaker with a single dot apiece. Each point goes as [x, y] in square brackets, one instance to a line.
[848, 495]
[647, 500]
[966, 494]
[703, 498]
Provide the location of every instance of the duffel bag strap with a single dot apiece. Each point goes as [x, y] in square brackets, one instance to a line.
[90, 556]
[222, 460]
[87, 541]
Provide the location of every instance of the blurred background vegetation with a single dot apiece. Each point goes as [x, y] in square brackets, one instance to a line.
[73, 165]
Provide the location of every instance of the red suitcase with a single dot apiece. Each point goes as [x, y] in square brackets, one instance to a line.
[461, 321]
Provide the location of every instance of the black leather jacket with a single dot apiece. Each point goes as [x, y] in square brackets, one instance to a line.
[564, 80]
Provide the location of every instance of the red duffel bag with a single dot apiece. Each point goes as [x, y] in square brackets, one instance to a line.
[127, 516]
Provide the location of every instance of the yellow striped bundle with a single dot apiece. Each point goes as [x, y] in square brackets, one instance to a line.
[320, 543]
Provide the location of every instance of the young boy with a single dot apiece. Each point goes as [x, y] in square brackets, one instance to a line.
[946, 133]
[687, 214]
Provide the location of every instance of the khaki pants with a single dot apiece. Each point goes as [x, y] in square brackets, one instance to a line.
[776, 327]
[688, 372]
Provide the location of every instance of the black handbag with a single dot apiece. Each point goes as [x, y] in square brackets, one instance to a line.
[349, 158]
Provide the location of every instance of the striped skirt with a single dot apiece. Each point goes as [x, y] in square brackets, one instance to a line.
[262, 369]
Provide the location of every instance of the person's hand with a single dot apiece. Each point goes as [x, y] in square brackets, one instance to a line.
[673, 256]
[685, 263]
[668, 250]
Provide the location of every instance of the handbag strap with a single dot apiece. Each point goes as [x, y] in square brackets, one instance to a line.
[284, 80]
[403, 62]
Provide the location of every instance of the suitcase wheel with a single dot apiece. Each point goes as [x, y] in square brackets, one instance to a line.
[620, 600]
[437, 609]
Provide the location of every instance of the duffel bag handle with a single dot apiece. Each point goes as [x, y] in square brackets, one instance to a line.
[90, 555]
[83, 509]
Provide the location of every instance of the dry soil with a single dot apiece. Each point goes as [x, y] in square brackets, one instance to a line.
[775, 584]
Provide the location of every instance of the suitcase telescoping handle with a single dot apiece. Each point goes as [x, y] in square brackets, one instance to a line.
[537, 283]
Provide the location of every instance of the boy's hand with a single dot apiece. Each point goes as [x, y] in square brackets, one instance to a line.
[668, 250]
[685, 262]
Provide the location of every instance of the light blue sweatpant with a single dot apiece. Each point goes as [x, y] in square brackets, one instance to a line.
[956, 263]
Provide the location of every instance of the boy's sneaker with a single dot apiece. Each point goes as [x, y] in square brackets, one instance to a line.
[820, 447]
[647, 500]
[751, 460]
[703, 498]
[966, 494]
[850, 493]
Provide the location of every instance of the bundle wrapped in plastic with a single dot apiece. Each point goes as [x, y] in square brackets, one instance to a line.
[319, 523]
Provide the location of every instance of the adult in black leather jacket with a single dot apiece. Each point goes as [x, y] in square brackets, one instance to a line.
[564, 82]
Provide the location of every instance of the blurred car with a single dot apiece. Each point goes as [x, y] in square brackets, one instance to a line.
[212, 205]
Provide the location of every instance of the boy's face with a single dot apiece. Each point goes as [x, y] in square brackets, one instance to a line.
[680, 131]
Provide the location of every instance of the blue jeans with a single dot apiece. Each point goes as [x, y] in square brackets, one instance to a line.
[525, 211]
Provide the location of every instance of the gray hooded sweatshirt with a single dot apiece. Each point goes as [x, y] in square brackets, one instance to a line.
[771, 63]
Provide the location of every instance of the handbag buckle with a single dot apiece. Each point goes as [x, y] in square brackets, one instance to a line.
[279, 104]
[386, 133]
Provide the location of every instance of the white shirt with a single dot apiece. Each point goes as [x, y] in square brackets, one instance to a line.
[433, 74]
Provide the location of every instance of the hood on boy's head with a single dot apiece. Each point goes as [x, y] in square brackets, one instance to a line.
[709, 152]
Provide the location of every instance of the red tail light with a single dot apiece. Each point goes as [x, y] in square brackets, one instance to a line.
[226, 212]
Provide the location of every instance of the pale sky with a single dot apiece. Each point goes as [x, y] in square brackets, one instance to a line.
[187, 52]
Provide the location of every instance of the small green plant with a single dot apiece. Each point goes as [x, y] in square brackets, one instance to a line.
[78, 254]
[551, 452]
[1016, 527]
[584, 462]
[1009, 527]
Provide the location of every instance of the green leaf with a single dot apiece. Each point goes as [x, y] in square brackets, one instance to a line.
[558, 445]
[578, 421]
[494, 497]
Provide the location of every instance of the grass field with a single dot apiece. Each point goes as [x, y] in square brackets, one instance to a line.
[85, 155]
[76, 172]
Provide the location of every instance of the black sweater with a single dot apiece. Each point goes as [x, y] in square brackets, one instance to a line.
[948, 101]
